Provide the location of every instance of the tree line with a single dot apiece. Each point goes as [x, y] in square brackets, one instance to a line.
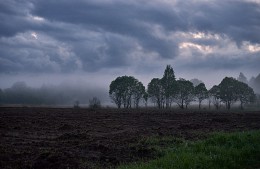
[128, 92]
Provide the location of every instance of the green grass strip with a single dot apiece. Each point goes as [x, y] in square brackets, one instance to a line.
[237, 150]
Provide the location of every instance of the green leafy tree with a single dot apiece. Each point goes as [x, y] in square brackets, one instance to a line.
[228, 91]
[232, 90]
[125, 89]
[138, 93]
[117, 90]
[184, 94]
[201, 93]
[214, 94]
[168, 82]
[129, 85]
[156, 92]
[245, 94]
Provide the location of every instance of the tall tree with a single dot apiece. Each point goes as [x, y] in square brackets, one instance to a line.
[168, 83]
[122, 89]
[245, 94]
[214, 93]
[184, 94]
[129, 85]
[228, 92]
[156, 92]
[116, 91]
[138, 93]
[201, 93]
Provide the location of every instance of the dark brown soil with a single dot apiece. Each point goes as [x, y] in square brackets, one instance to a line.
[52, 138]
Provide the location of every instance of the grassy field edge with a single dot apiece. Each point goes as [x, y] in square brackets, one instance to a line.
[220, 150]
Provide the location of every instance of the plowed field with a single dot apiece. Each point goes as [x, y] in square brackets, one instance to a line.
[46, 138]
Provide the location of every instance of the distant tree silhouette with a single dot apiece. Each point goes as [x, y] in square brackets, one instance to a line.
[169, 84]
[254, 82]
[195, 82]
[242, 78]
[156, 92]
[184, 94]
[201, 93]
[94, 103]
[257, 84]
[76, 104]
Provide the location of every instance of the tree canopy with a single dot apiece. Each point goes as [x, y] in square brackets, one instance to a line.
[232, 90]
[214, 94]
[168, 83]
[201, 92]
[126, 89]
[184, 93]
[156, 92]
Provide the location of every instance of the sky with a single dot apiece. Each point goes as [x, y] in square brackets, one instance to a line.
[94, 41]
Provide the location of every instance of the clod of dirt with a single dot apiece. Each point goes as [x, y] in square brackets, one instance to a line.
[220, 120]
[54, 161]
[99, 147]
[190, 126]
[65, 127]
[71, 136]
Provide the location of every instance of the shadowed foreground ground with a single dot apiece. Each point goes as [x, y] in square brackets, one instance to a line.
[69, 138]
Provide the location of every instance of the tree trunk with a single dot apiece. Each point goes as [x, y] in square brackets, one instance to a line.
[228, 105]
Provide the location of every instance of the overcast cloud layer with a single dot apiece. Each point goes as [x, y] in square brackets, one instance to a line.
[109, 38]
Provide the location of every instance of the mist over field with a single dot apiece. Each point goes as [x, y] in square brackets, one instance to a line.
[57, 90]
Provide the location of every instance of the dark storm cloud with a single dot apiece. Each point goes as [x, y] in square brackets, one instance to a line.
[221, 62]
[116, 17]
[13, 17]
[93, 35]
[240, 20]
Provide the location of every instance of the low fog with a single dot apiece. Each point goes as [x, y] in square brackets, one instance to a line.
[65, 93]
[65, 90]
[58, 89]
